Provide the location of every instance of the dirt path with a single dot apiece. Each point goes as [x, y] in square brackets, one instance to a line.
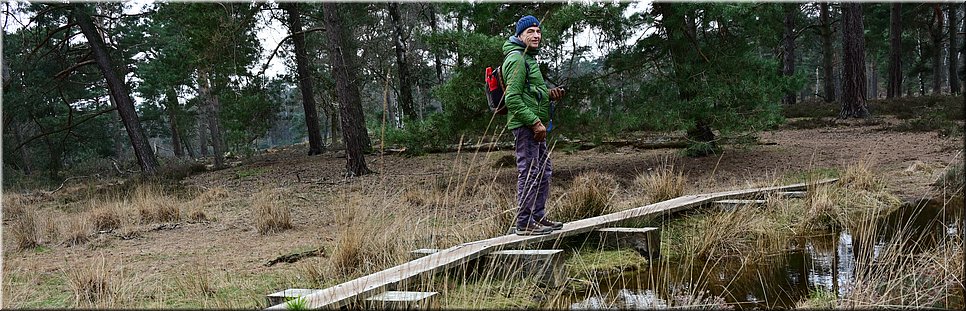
[230, 249]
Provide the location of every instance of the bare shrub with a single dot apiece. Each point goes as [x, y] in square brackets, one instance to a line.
[589, 195]
[24, 230]
[269, 212]
[662, 184]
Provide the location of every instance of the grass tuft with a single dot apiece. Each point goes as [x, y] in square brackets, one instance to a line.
[94, 284]
[589, 195]
[24, 230]
[269, 212]
[662, 184]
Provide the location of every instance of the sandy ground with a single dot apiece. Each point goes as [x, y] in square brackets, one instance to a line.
[231, 249]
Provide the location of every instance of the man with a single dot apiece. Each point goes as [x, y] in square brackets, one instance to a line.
[528, 109]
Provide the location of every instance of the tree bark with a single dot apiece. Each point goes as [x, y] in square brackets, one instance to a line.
[211, 111]
[305, 78]
[118, 90]
[202, 134]
[828, 70]
[788, 59]
[954, 86]
[936, 34]
[353, 122]
[402, 63]
[853, 63]
[895, 51]
[173, 108]
[435, 30]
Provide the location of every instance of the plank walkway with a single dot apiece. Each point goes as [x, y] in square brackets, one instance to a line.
[364, 287]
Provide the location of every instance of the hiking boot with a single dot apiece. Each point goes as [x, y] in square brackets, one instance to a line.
[533, 229]
[555, 225]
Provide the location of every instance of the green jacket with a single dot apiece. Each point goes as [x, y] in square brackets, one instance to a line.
[525, 100]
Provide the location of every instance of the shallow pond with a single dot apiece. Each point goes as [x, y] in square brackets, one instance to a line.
[824, 261]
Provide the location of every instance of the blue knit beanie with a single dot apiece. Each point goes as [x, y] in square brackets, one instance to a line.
[526, 22]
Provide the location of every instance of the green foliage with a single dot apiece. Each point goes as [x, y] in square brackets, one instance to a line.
[298, 303]
[247, 115]
[420, 136]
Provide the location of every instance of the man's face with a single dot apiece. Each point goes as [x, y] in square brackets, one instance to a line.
[531, 36]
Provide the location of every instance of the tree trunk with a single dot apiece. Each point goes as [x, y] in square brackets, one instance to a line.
[895, 51]
[118, 91]
[211, 111]
[305, 78]
[827, 61]
[788, 59]
[953, 46]
[353, 122]
[435, 29]
[402, 63]
[173, 107]
[681, 27]
[853, 63]
[202, 134]
[936, 34]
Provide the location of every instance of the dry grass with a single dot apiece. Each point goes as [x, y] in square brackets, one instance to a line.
[14, 205]
[196, 281]
[94, 285]
[589, 195]
[24, 230]
[76, 230]
[927, 279]
[860, 176]
[952, 180]
[269, 212]
[105, 218]
[154, 205]
[662, 184]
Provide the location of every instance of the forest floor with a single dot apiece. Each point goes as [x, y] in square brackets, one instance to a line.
[220, 261]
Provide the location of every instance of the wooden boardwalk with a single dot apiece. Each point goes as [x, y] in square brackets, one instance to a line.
[376, 283]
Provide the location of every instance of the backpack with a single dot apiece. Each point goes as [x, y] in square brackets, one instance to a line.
[495, 88]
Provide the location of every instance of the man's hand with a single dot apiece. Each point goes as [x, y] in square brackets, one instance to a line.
[557, 93]
[539, 131]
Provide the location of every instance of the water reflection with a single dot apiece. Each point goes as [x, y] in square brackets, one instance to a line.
[825, 262]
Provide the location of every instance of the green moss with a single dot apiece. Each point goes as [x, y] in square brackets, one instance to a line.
[589, 263]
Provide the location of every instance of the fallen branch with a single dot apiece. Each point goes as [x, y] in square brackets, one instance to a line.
[294, 257]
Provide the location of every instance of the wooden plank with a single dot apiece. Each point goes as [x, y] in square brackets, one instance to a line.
[423, 252]
[367, 286]
[402, 300]
[792, 194]
[291, 293]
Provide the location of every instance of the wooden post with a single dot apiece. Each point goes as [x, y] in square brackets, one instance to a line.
[545, 265]
[646, 241]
